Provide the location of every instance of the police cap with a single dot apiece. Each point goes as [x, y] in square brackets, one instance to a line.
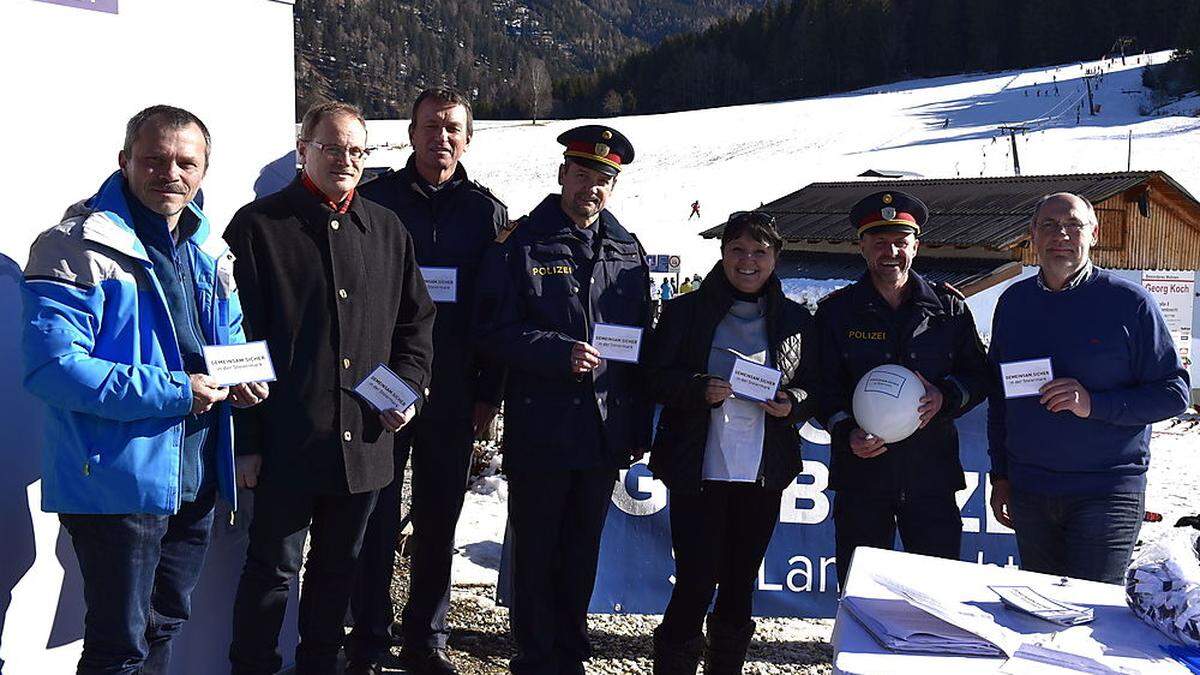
[597, 147]
[889, 211]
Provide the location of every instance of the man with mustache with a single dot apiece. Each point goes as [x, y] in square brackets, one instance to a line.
[1069, 463]
[452, 220]
[893, 315]
[572, 418]
[121, 298]
[329, 279]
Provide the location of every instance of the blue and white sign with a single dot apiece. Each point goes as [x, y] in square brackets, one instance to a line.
[799, 575]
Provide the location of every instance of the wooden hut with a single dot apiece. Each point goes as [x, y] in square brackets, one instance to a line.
[978, 230]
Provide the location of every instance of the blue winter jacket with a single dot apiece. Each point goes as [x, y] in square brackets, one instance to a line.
[101, 351]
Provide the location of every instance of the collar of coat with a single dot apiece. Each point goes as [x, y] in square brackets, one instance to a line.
[923, 294]
[108, 221]
[549, 220]
[315, 212]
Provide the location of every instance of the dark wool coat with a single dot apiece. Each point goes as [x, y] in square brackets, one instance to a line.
[334, 295]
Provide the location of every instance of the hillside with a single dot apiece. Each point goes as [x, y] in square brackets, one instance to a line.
[379, 53]
[737, 157]
[796, 48]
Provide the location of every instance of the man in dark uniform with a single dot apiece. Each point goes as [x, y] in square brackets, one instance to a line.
[572, 419]
[452, 220]
[892, 315]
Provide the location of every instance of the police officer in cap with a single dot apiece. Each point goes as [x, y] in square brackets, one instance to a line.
[572, 418]
[893, 315]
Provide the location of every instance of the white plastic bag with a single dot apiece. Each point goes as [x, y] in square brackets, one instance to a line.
[1162, 586]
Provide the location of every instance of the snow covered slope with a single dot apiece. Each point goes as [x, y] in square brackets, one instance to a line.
[738, 157]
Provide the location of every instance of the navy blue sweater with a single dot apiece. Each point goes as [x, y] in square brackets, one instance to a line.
[1108, 334]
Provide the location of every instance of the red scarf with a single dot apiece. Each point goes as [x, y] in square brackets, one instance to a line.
[337, 208]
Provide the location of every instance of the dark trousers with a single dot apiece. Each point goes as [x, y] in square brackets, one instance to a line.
[282, 518]
[1080, 536]
[719, 536]
[929, 524]
[555, 519]
[138, 574]
[441, 464]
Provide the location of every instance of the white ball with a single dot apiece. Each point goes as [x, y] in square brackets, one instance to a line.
[886, 401]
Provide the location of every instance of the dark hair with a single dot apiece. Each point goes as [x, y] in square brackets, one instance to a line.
[758, 225]
[168, 117]
[319, 111]
[448, 96]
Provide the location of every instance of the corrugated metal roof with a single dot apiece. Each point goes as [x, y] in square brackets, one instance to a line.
[988, 212]
[957, 272]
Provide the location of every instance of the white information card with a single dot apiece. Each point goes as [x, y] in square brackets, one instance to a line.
[442, 283]
[617, 343]
[754, 381]
[238, 364]
[1025, 378]
[385, 390]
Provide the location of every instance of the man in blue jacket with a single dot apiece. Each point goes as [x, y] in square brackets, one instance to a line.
[120, 299]
[1069, 461]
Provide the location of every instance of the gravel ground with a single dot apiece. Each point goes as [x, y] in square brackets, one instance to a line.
[480, 642]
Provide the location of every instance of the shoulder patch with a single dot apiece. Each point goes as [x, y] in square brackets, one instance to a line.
[951, 290]
[509, 227]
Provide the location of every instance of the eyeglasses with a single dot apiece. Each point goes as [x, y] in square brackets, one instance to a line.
[1052, 227]
[756, 217]
[335, 152]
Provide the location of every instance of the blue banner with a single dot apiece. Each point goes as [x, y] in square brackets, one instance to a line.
[799, 575]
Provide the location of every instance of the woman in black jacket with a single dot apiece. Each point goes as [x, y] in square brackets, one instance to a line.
[726, 459]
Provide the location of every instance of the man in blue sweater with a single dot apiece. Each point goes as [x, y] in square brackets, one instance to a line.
[1069, 462]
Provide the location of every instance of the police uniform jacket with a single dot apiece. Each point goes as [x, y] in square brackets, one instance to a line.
[450, 227]
[535, 303]
[932, 334]
[334, 295]
[677, 363]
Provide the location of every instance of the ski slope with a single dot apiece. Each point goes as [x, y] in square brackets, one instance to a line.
[737, 157]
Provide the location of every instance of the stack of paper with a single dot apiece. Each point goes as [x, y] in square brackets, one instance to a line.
[1025, 599]
[902, 627]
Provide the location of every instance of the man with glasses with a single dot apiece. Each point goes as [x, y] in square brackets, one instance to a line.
[330, 281]
[452, 220]
[1069, 460]
[893, 315]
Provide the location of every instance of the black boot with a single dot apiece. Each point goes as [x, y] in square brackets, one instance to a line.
[676, 658]
[727, 646]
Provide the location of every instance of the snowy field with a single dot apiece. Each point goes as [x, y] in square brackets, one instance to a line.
[738, 157]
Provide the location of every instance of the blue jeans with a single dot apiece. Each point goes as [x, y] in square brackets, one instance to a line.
[138, 574]
[1079, 536]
